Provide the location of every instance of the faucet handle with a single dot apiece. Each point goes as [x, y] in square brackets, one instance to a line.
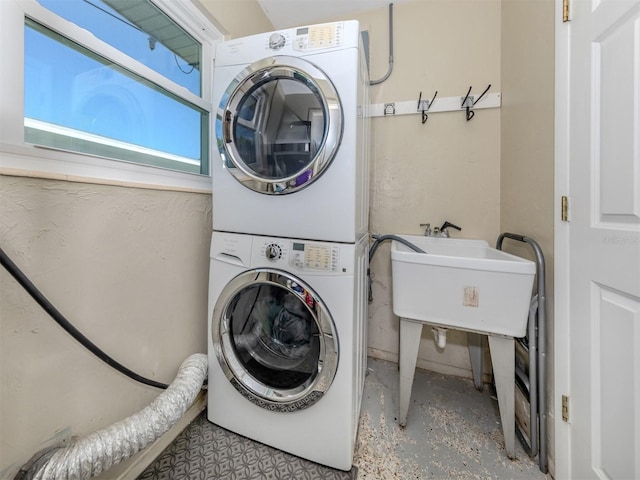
[445, 226]
[427, 230]
[448, 224]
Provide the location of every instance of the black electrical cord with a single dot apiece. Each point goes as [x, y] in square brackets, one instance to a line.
[48, 307]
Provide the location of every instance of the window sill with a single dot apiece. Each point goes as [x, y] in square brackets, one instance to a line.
[31, 161]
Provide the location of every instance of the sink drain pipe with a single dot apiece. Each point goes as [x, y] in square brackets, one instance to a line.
[99, 451]
[440, 336]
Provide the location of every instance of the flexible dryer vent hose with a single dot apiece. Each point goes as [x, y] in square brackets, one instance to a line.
[105, 448]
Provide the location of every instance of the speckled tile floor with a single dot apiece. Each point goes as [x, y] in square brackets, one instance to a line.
[453, 432]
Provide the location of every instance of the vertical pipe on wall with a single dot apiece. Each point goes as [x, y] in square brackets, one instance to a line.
[376, 82]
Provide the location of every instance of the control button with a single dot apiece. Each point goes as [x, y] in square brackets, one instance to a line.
[277, 41]
[273, 251]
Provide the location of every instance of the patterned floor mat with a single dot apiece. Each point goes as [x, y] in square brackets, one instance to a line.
[206, 451]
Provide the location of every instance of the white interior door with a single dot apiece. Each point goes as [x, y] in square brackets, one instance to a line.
[598, 250]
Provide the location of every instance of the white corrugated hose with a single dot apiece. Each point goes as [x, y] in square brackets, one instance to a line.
[105, 448]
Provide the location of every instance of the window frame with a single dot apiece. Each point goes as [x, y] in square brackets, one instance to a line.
[20, 158]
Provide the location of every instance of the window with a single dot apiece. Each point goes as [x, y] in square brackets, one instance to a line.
[115, 80]
[142, 31]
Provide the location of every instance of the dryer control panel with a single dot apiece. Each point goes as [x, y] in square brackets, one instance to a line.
[297, 42]
[317, 37]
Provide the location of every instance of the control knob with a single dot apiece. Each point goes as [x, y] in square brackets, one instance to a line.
[273, 251]
[277, 41]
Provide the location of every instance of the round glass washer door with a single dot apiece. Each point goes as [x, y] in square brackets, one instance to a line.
[275, 340]
[279, 125]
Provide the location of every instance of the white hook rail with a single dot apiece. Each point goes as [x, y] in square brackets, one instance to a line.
[440, 104]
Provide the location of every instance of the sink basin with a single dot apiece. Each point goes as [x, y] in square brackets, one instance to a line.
[462, 284]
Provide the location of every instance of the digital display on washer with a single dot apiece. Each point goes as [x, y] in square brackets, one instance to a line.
[302, 31]
[299, 247]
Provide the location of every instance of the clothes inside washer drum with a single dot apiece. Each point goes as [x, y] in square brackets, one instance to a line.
[291, 334]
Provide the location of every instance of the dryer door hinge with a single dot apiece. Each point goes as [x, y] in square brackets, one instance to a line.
[565, 10]
[565, 408]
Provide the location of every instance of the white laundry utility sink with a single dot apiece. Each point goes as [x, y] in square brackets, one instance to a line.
[462, 284]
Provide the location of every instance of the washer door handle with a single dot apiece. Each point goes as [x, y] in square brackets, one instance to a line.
[226, 127]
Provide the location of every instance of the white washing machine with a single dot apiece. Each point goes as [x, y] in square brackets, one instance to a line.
[287, 334]
[292, 134]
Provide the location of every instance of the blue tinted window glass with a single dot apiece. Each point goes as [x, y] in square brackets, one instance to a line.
[70, 91]
[142, 31]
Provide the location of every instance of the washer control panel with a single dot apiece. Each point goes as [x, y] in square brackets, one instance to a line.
[309, 256]
[301, 255]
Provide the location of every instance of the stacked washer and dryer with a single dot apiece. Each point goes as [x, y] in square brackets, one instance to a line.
[289, 251]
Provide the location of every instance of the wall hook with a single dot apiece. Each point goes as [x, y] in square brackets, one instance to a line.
[468, 102]
[470, 113]
[425, 105]
[482, 94]
[389, 108]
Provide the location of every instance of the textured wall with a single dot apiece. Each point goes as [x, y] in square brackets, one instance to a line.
[447, 169]
[128, 267]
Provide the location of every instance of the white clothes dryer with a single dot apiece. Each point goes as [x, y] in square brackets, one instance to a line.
[287, 334]
[292, 134]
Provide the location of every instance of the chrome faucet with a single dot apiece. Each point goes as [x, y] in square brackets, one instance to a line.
[427, 230]
[442, 231]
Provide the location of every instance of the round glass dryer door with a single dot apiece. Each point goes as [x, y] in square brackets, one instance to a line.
[279, 125]
[275, 340]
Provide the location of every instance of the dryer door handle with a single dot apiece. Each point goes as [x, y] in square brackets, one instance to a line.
[226, 126]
